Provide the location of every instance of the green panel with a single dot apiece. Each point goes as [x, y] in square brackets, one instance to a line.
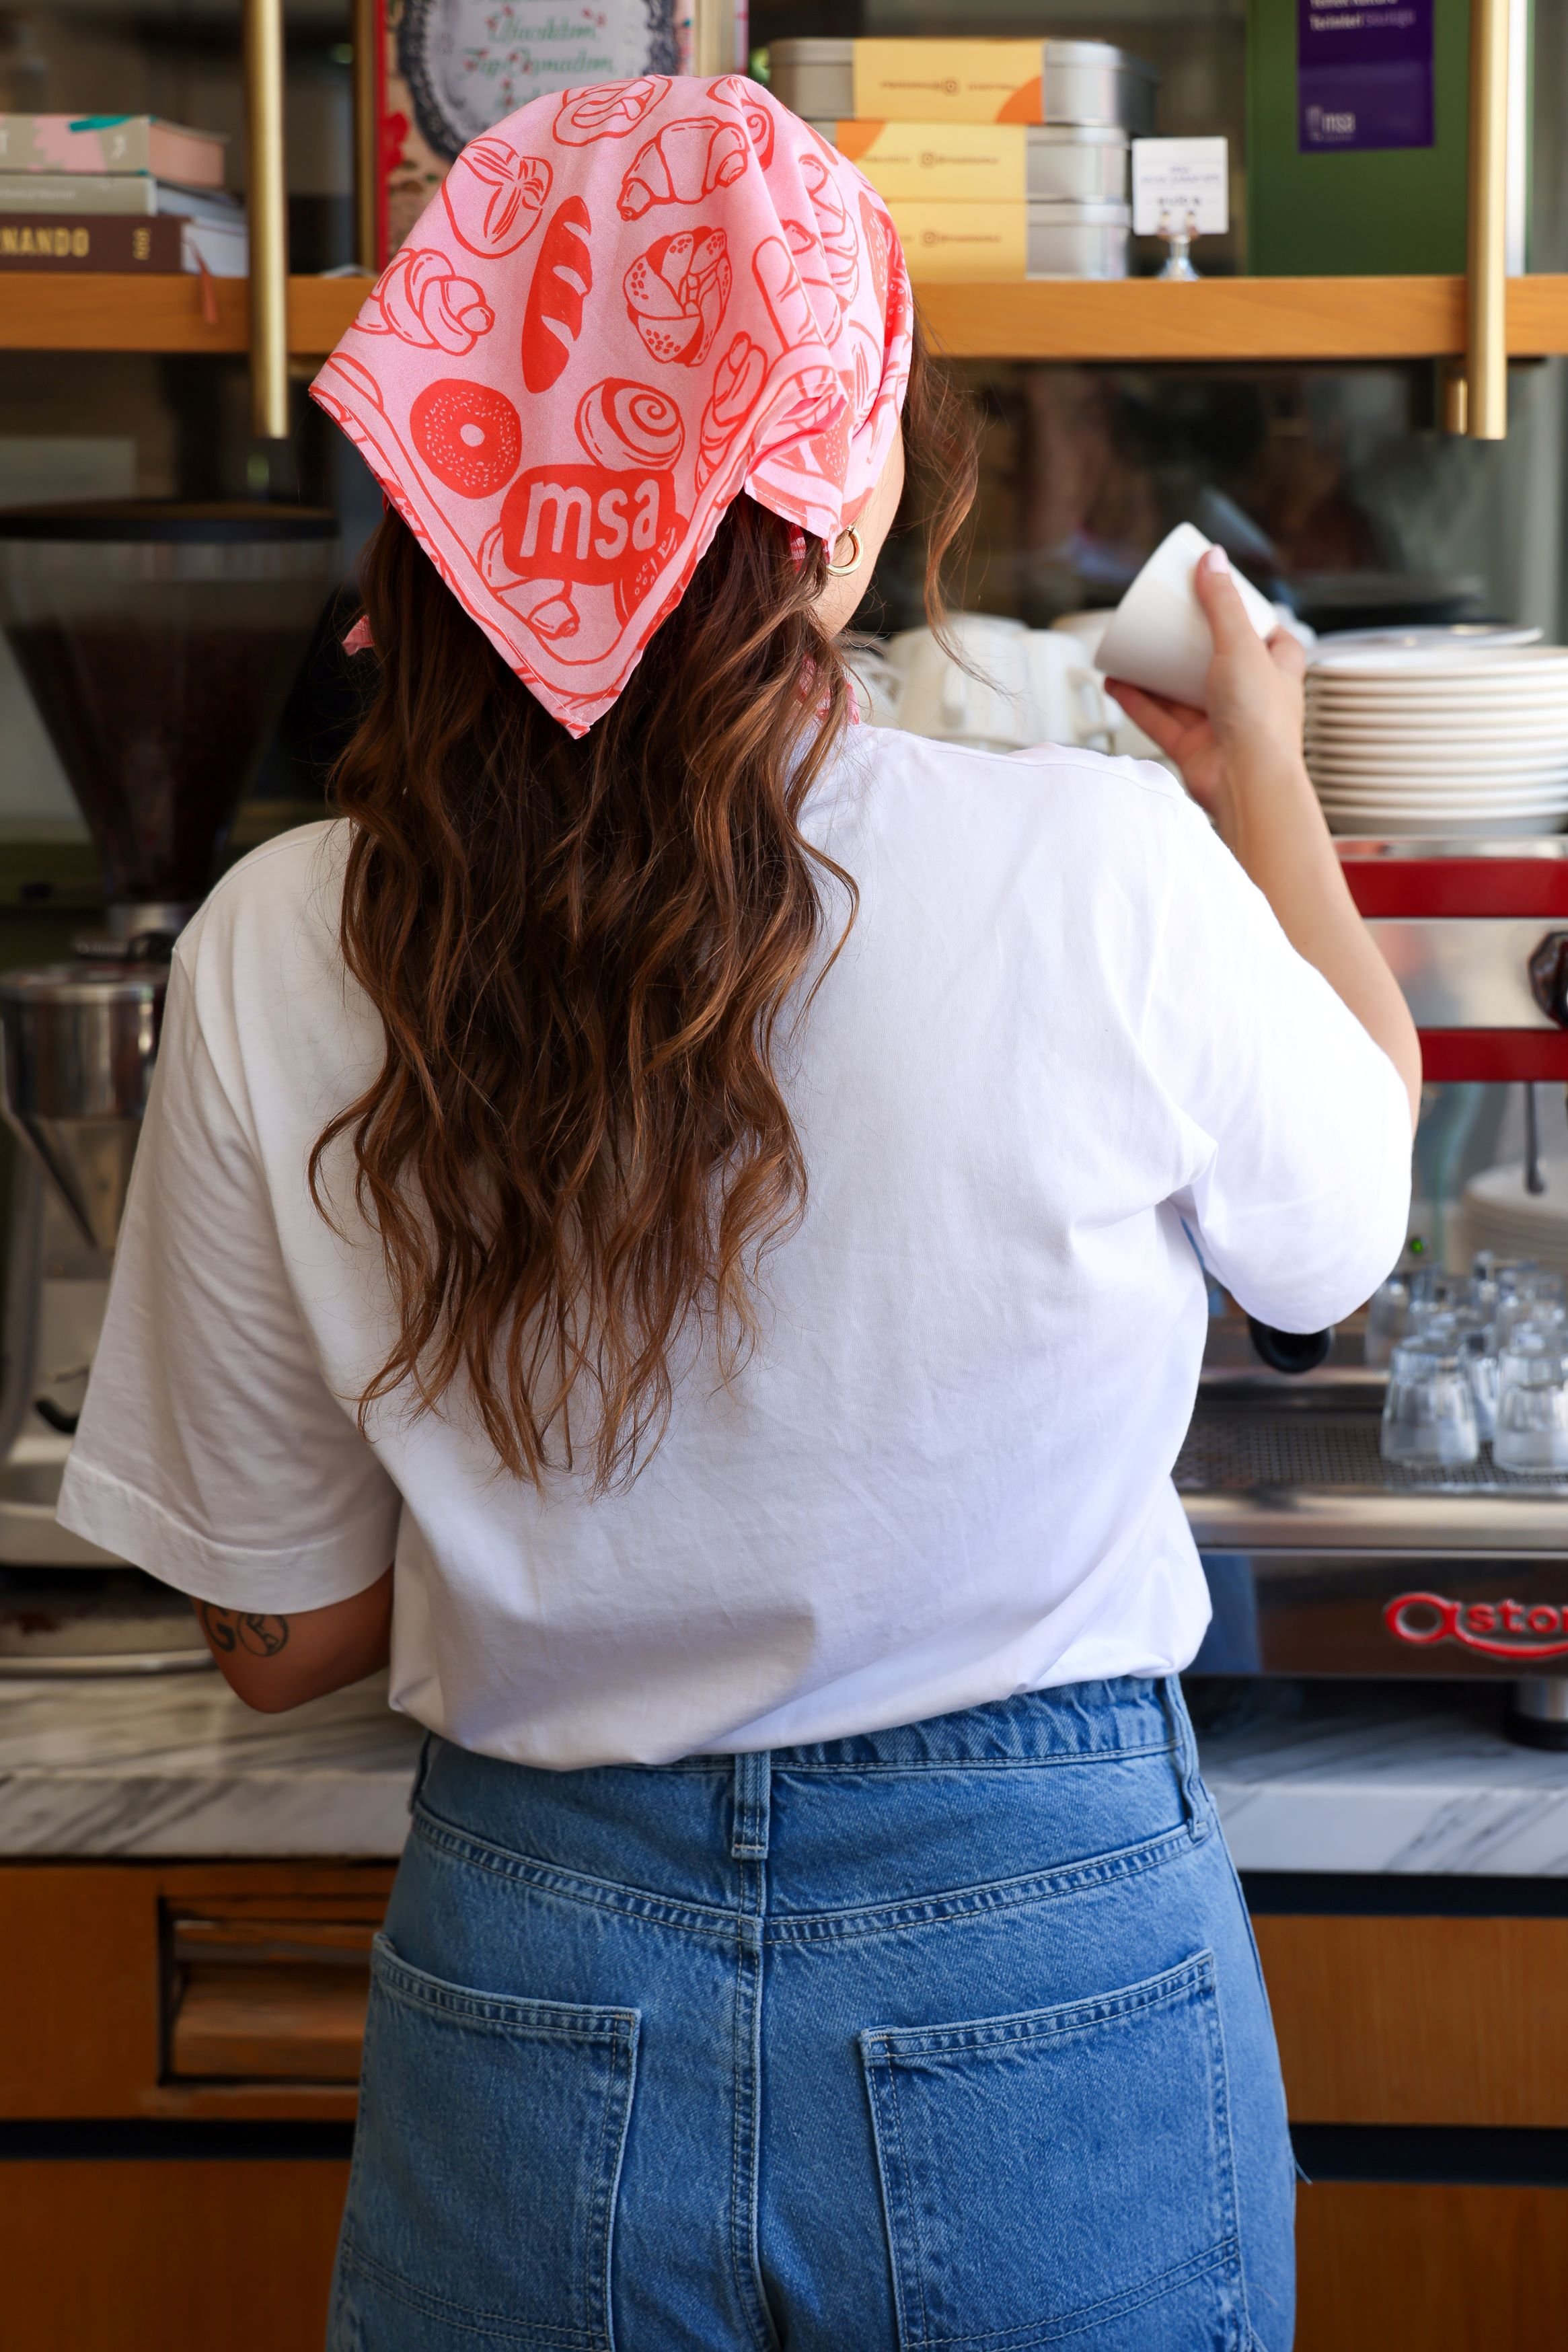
[1394, 213]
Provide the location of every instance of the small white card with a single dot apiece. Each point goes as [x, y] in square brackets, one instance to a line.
[1181, 187]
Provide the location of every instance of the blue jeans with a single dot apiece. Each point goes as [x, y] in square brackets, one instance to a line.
[952, 2036]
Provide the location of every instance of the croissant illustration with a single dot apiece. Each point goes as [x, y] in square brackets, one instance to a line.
[545, 604]
[682, 164]
[494, 195]
[676, 294]
[421, 299]
[837, 237]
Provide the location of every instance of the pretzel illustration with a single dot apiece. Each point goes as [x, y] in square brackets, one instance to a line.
[682, 164]
[494, 195]
[421, 299]
[676, 294]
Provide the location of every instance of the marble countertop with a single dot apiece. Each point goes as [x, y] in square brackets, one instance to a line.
[1307, 1777]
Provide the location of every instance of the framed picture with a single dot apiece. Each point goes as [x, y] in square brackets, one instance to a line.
[452, 68]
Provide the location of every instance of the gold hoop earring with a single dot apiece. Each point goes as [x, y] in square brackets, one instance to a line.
[840, 571]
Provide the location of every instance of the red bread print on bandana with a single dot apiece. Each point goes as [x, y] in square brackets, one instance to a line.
[631, 586]
[469, 436]
[839, 245]
[682, 164]
[698, 300]
[736, 386]
[421, 299]
[875, 239]
[735, 90]
[676, 294]
[494, 196]
[622, 423]
[563, 278]
[609, 111]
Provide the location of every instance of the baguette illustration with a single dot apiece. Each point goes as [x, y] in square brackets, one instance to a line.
[563, 278]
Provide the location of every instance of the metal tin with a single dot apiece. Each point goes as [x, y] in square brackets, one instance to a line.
[1067, 240]
[1084, 83]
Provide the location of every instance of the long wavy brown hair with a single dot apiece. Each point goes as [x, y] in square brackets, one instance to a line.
[585, 956]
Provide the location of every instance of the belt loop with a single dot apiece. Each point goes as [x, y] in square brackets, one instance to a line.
[1186, 1752]
[753, 1781]
[425, 1745]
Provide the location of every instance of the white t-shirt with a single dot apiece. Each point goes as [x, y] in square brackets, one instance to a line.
[1063, 1023]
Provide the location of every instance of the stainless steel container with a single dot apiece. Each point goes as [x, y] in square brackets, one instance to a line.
[1085, 84]
[1079, 163]
[1068, 240]
[79, 1048]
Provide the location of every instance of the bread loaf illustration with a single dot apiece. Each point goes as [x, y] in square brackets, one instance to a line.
[563, 280]
[494, 195]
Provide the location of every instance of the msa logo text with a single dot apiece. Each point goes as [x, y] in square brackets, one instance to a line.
[583, 522]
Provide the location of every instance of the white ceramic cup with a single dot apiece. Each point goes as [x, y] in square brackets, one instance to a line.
[1021, 685]
[1158, 637]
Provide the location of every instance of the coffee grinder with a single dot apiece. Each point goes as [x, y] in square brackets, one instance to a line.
[159, 642]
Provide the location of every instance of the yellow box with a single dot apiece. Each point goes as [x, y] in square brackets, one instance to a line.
[942, 163]
[975, 241]
[948, 81]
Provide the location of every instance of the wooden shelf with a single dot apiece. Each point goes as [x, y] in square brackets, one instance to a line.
[1137, 319]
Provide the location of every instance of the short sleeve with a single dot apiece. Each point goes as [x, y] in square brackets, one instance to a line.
[211, 1450]
[1298, 1125]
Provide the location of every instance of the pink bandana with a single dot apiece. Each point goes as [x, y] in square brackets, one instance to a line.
[626, 305]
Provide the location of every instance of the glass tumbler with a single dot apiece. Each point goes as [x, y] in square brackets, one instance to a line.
[1532, 1403]
[1387, 1314]
[1477, 1353]
[1429, 1414]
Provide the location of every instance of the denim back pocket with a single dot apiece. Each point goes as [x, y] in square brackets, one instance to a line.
[1065, 2173]
[486, 2161]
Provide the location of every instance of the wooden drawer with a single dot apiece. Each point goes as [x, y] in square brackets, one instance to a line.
[184, 1990]
[167, 2254]
[1410, 2021]
[1392, 2266]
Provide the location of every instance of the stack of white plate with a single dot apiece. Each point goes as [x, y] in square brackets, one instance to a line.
[1499, 1214]
[1462, 734]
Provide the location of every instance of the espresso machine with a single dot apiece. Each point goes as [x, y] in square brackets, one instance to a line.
[159, 642]
[1322, 1559]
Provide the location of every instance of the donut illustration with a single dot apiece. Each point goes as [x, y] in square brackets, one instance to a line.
[494, 196]
[737, 384]
[736, 90]
[683, 163]
[608, 112]
[623, 424]
[423, 300]
[676, 294]
[468, 435]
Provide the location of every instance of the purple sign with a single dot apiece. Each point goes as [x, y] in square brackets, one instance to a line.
[1364, 74]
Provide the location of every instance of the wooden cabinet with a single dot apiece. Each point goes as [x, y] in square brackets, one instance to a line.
[178, 2046]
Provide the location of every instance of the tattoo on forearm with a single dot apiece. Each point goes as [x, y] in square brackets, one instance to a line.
[237, 1629]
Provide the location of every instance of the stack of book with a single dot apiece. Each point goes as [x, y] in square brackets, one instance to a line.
[124, 193]
[996, 159]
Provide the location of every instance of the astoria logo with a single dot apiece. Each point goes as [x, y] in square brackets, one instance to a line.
[1501, 1629]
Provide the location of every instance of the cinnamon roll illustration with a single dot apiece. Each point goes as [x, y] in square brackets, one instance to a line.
[494, 196]
[623, 424]
[611, 111]
[736, 90]
[676, 294]
[423, 300]
[682, 164]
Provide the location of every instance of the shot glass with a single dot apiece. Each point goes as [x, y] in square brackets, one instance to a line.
[1532, 1401]
[1429, 1414]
